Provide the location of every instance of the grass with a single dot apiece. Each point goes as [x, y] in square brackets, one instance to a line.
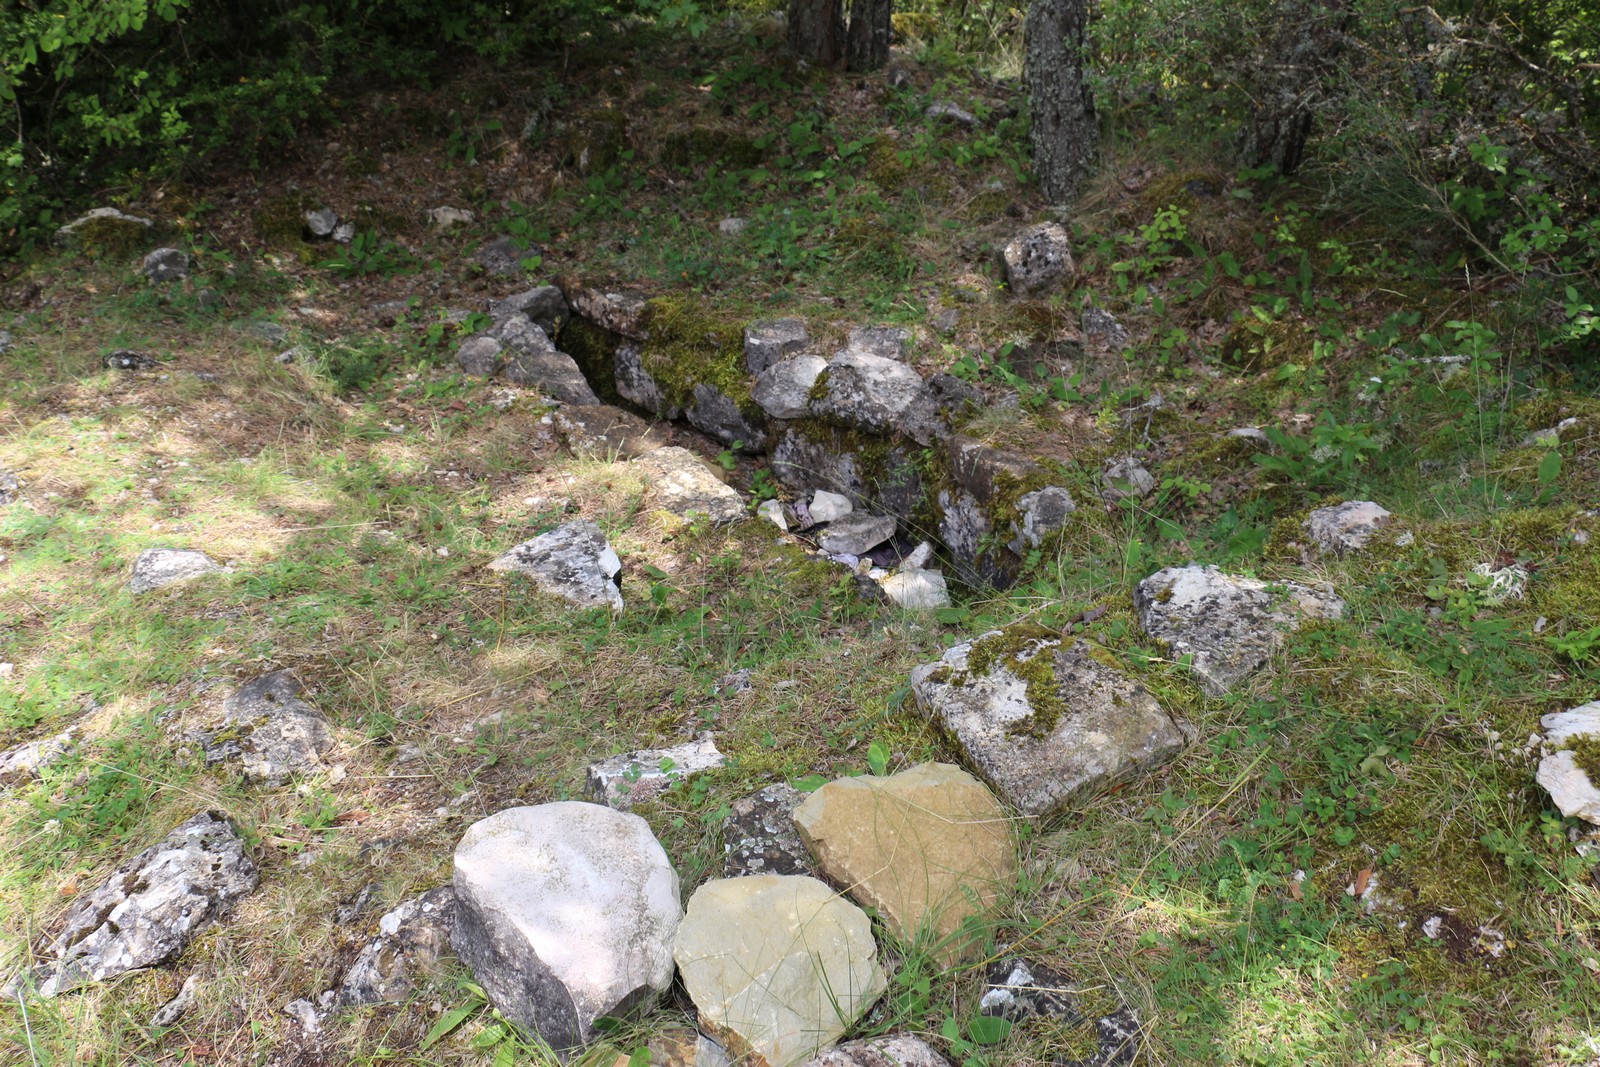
[357, 495]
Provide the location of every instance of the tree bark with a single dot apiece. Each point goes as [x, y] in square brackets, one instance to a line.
[816, 30]
[1064, 132]
[1292, 82]
[868, 44]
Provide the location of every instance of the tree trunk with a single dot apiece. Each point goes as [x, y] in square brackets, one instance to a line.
[868, 45]
[1064, 132]
[1292, 82]
[816, 30]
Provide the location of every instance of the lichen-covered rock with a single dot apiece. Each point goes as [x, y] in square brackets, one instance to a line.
[770, 342]
[620, 311]
[152, 906]
[759, 837]
[933, 412]
[600, 431]
[954, 114]
[502, 256]
[411, 940]
[888, 342]
[894, 1050]
[322, 221]
[158, 567]
[1229, 625]
[480, 356]
[1041, 513]
[778, 966]
[165, 265]
[1100, 327]
[104, 229]
[35, 756]
[856, 533]
[927, 848]
[784, 389]
[634, 777]
[1346, 527]
[683, 485]
[714, 413]
[10, 487]
[1125, 477]
[1019, 989]
[1571, 759]
[1038, 259]
[1043, 719]
[866, 392]
[129, 359]
[272, 732]
[573, 562]
[445, 218]
[565, 913]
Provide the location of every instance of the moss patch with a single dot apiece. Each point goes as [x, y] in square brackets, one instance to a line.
[691, 345]
[1028, 652]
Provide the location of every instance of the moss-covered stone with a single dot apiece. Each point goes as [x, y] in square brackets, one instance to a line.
[728, 149]
[280, 223]
[1028, 653]
[594, 140]
[691, 345]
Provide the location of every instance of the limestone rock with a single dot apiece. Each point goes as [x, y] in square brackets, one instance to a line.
[1230, 625]
[917, 589]
[954, 114]
[733, 226]
[784, 388]
[772, 511]
[158, 567]
[274, 733]
[518, 332]
[1042, 512]
[1124, 478]
[931, 415]
[600, 431]
[620, 311]
[771, 341]
[10, 485]
[894, 1050]
[555, 374]
[128, 359]
[758, 836]
[445, 218]
[411, 940]
[152, 906]
[865, 391]
[573, 562]
[322, 221]
[503, 255]
[103, 227]
[856, 533]
[1041, 719]
[566, 912]
[779, 966]
[682, 484]
[634, 777]
[714, 413]
[637, 385]
[828, 507]
[480, 355]
[1038, 259]
[35, 756]
[927, 848]
[887, 342]
[179, 1006]
[165, 265]
[1560, 773]
[544, 305]
[1346, 527]
[1100, 327]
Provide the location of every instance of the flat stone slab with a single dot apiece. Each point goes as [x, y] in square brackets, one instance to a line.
[411, 940]
[152, 906]
[618, 310]
[916, 589]
[159, 567]
[1229, 625]
[555, 374]
[759, 836]
[856, 533]
[1346, 527]
[682, 484]
[573, 562]
[890, 342]
[1561, 774]
[566, 912]
[784, 388]
[778, 966]
[272, 732]
[600, 431]
[634, 777]
[1042, 719]
[927, 848]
